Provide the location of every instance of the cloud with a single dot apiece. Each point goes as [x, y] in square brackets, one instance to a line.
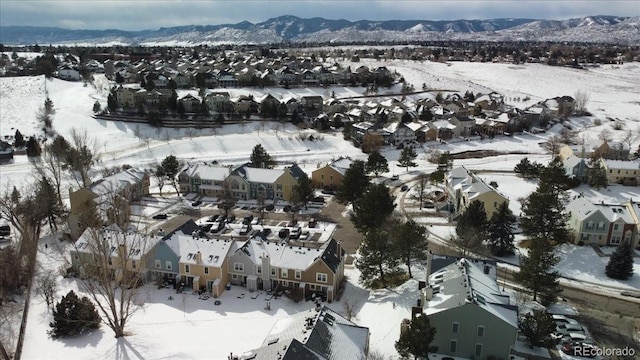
[139, 15]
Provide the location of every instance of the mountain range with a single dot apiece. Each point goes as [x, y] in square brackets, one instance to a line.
[605, 29]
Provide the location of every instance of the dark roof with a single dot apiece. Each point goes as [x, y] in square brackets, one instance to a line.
[439, 262]
[330, 255]
[296, 171]
[187, 228]
[297, 351]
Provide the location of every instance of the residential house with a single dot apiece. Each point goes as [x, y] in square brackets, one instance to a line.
[66, 72]
[400, 134]
[576, 167]
[191, 103]
[602, 224]
[442, 130]
[202, 262]
[219, 102]
[203, 179]
[331, 175]
[126, 186]
[472, 317]
[247, 183]
[625, 172]
[312, 104]
[466, 124]
[313, 269]
[119, 246]
[319, 334]
[464, 187]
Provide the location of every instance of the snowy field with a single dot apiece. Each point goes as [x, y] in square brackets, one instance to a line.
[174, 328]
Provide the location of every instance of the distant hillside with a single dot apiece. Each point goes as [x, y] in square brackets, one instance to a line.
[609, 29]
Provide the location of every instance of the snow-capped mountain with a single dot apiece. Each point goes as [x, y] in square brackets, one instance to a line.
[610, 29]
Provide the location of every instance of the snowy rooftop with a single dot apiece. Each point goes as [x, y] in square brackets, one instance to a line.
[258, 175]
[137, 244]
[465, 282]
[622, 164]
[212, 252]
[117, 181]
[313, 335]
[209, 172]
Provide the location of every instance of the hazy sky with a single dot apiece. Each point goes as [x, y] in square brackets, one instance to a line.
[153, 14]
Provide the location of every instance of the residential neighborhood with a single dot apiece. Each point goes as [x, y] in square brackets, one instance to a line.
[448, 200]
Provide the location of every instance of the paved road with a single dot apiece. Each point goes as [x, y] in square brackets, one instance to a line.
[345, 231]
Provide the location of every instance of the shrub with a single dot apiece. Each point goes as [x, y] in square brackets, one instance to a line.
[73, 316]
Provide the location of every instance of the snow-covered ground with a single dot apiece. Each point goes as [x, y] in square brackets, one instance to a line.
[173, 328]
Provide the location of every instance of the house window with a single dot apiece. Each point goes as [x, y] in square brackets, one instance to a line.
[187, 269]
[158, 264]
[453, 346]
[480, 331]
[167, 265]
[615, 239]
[273, 272]
[298, 274]
[321, 277]
[312, 287]
[600, 225]
[239, 267]
[454, 327]
[259, 270]
[616, 227]
[206, 270]
[285, 283]
[590, 225]
[133, 264]
[284, 273]
[478, 350]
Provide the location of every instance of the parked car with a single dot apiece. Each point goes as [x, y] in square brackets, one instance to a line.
[404, 187]
[395, 177]
[5, 230]
[160, 216]
[213, 218]
[266, 232]
[295, 233]
[566, 328]
[196, 203]
[231, 219]
[579, 349]
[561, 319]
[245, 229]
[319, 199]
[283, 233]
[247, 219]
[304, 235]
[269, 207]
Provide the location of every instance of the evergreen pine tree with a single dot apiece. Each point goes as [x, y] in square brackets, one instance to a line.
[410, 240]
[18, 139]
[501, 231]
[543, 212]
[373, 208]
[377, 258]
[536, 271]
[620, 264]
[73, 316]
[376, 163]
[260, 158]
[354, 183]
[417, 339]
[471, 229]
[33, 147]
[536, 327]
[598, 175]
[406, 158]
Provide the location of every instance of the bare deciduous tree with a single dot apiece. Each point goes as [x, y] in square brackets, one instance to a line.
[50, 166]
[581, 99]
[85, 154]
[605, 135]
[111, 262]
[631, 136]
[553, 144]
[421, 188]
[47, 287]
